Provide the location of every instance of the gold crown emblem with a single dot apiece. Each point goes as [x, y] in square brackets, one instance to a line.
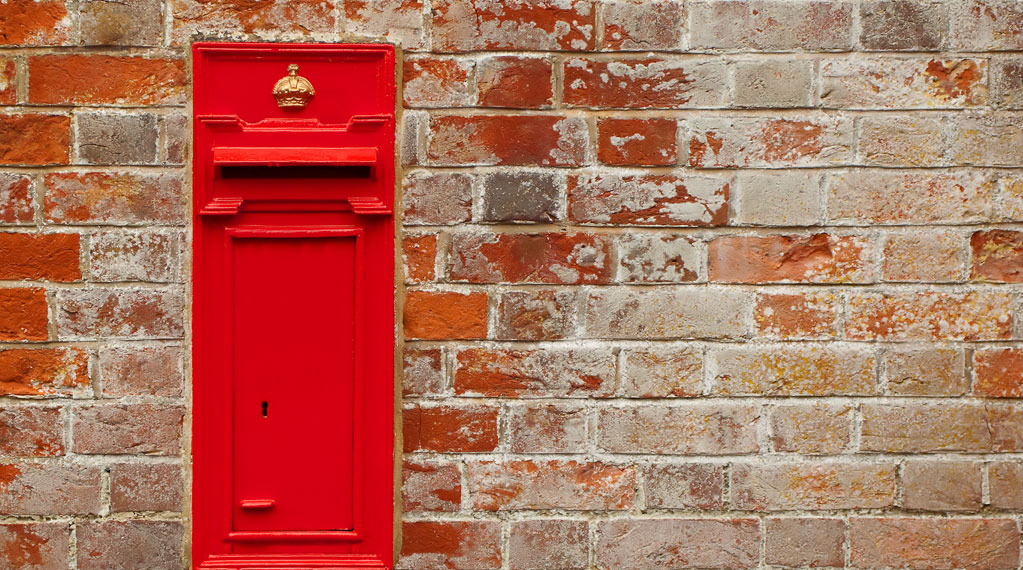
[293, 90]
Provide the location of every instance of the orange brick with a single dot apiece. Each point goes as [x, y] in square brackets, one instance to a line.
[531, 258]
[43, 372]
[426, 545]
[941, 543]
[534, 373]
[34, 139]
[23, 314]
[8, 81]
[820, 258]
[640, 142]
[52, 257]
[929, 316]
[801, 370]
[797, 315]
[570, 485]
[106, 80]
[507, 139]
[419, 254]
[998, 372]
[644, 83]
[450, 429]
[997, 256]
[515, 82]
[430, 486]
[34, 23]
[439, 315]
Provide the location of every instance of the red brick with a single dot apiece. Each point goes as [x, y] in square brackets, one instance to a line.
[399, 22]
[34, 139]
[134, 256]
[423, 371]
[23, 314]
[771, 25]
[515, 82]
[805, 542]
[294, 18]
[928, 316]
[543, 314]
[128, 429]
[934, 543]
[667, 312]
[43, 372]
[663, 373]
[1005, 479]
[693, 429]
[655, 544]
[35, 546]
[146, 487]
[644, 83]
[893, 197]
[998, 372]
[17, 202]
[720, 142]
[437, 82]
[941, 486]
[928, 256]
[106, 80]
[111, 197]
[471, 25]
[557, 258]
[803, 316]
[450, 429]
[640, 142]
[430, 486]
[146, 371]
[926, 372]
[982, 25]
[50, 257]
[800, 370]
[546, 428]
[444, 314]
[436, 198]
[641, 25]
[805, 486]
[419, 256]
[30, 431]
[8, 81]
[544, 485]
[903, 83]
[647, 200]
[33, 23]
[548, 372]
[698, 486]
[811, 428]
[818, 258]
[549, 543]
[952, 427]
[486, 140]
[50, 489]
[997, 256]
[103, 545]
[123, 313]
[468, 545]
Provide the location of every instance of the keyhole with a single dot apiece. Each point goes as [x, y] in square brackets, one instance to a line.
[265, 405]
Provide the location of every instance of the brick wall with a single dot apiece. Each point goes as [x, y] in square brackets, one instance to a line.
[687, 284]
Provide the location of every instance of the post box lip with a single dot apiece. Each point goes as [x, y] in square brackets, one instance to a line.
[294, 156]
[213, 47]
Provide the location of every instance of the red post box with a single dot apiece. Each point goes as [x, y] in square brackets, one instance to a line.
[293, 306]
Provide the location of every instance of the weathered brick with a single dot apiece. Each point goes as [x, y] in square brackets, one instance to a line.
[903, 25]
[640, 142]
[928, 256]
[31, 431]
[547, 372]
[177, 138]
[34, 138]
[106, 138]
[934, 543]
[777, 198]
[667, 312]
[687, 486]
[114, 197]
[771, 25]
[813, 486]
[35, 23]
[941, 486]
[131, 23]
[692, 429]
[145, 371]
[50, 257]
[436, 198]
[8, 81]
[988, 140]
[546, 428]
[132, 429]
[655, 544]
[146, 487]
[716, 142]
[536, 485]
[998, 372]
[470, 25]
[653, 258]
[811, 428]
[997, 256]
[536, 314]
[419, 257]
[437, 82]
[17, 205]
[889, 83]
[893, 197]
[928, 315]
[647, 199]
[399, 22]
[520, 196]
[645, 83]
[450, 429]
[804, 316]
[805, 542]
[902, 141]
[818, 258]
[277, 19]
[1007, 83]
[642, 25]
[784, 370]
[445, 314]
[985, 25]
[925, 372]
[43, 372]
[35, 546]
[23, 314]
[108, 545]
[1010, 204]
[126, 313]
[430, 486]
[548, 543]
[423, 372]
[106, 80]
[484, 140]
[134, 256]
[515, 82]
[554, 257]
[468, 545]
[774, 83]
[915, 428]
[1005, 479]
[50, 489]
[663, 373]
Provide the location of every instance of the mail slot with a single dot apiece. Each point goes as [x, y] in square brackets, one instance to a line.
[293, 308]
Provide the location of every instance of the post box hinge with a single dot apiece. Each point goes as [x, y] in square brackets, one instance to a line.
[222, 207]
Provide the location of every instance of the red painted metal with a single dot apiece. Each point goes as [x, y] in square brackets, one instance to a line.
[293, 309]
